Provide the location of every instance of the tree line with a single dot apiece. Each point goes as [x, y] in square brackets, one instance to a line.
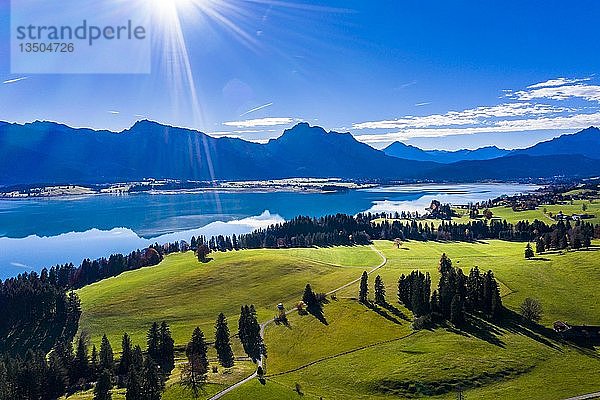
[341, 229]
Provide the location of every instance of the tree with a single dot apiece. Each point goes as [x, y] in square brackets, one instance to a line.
[166, 349]
[202, 253]
[153, 342]
[56, 380]
[94, 366]
[103, 386]
[81, 361]
[379, 291]
[106, 356]
[223, 343]
[125, 360]
[584, 207]
[445, 264]
[531, 309]
[152, 381]
[310, 299]
[134, 386]
[135, 378]
[540, 247]
[457, 313]
[529, 251]
[194, 372]
[364, 288]
[249, 333]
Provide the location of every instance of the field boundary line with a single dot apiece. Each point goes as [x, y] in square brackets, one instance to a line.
[341, 354]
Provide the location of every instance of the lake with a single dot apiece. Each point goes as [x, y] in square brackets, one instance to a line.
[36, 233]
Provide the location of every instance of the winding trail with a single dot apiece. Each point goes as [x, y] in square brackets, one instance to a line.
[266, 323]
[585, 396]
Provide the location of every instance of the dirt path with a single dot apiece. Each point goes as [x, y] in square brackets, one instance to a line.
[265, 324]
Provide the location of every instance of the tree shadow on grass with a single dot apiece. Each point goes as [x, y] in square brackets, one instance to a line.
[515, 323]
[492, 331]
[396, 311]
[318, 313]
[383, 312]
[479, 328]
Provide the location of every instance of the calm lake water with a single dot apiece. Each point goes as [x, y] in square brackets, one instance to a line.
[35, 233]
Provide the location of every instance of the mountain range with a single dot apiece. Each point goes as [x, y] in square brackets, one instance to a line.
[401, 150]
[51, 153]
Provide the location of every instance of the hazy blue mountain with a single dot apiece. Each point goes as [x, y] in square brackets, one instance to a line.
[50, 153]
[401, 150]
[585, 142]
[45, 152]
[518, 167]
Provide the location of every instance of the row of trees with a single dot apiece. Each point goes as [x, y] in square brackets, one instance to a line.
[455, 295]
[341, 229]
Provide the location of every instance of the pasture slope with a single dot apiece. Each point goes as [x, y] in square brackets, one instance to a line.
[363, 352]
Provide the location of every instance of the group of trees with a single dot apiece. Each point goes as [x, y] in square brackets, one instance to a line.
[414, 291]
[455, 295]
[37, 311]
[564, 235]
[379, 290]
[249, 333]
[65, 370]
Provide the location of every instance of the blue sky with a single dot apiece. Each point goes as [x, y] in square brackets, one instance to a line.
[436, 74]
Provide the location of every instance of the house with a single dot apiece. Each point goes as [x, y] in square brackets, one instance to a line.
[578, 333]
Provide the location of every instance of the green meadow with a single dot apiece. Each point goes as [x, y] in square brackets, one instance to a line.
[363, 352]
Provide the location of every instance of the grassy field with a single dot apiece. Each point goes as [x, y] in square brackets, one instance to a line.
[568, 209]
[365, 354]
[362, 352]
[187, 294]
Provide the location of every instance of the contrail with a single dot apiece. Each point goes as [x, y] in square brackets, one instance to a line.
[15, 80]
[256, 109]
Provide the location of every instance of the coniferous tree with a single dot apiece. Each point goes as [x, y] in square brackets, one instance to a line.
[310, 299]
[249, 333]
[194, 372]
[153, 342]
[56, 381]
[529, 251]
[135, 379]
[106, 356]
[540, 247]
[445, 264]
[364, 288]
[125, 360]
[457, 314]
[94, 363]
[152, 380]
[223, 343]
[81, 368]
[379, 291]
[166, 349]
[103, 386]
[134, 385]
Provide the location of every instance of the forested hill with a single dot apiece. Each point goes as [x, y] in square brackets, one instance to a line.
[50, 153]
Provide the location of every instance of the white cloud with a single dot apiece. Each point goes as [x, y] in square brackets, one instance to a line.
[587, 92]
[466, 117]
[256, 109]
[557, 82]
[252, 123]
[15, 80]
[559, 123]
